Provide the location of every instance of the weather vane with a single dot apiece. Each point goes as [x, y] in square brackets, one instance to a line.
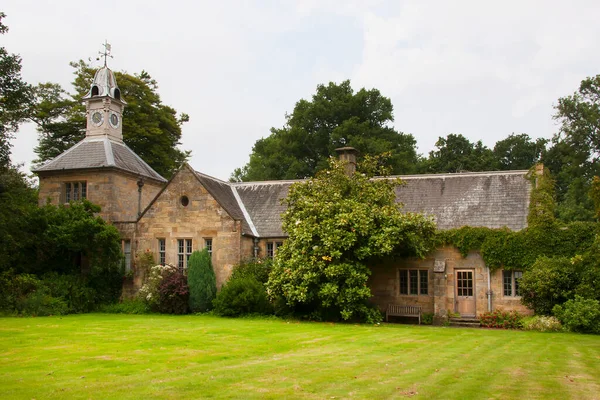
[106, 52]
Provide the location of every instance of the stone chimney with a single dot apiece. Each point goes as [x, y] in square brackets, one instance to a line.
[347, 155]
[539, 172]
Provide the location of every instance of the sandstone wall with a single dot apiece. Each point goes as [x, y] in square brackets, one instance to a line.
[202, 218]
[440, 300]
[115, 192]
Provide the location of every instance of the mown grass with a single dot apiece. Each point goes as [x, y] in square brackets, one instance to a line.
[104, 356]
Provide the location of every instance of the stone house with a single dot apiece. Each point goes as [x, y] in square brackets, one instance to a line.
[235, 221]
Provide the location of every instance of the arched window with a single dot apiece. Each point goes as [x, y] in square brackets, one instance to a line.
[117, 94]
[95, 90]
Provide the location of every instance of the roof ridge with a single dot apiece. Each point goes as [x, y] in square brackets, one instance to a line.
[110, 157]
[273, 182]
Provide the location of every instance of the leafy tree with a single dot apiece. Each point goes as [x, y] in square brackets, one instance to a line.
[150, 128]
[337, 224]
[455, 153]
[573, 157]
[202, 281]
[15, 98]
[335, 117]
[19, 202]
[518, 152]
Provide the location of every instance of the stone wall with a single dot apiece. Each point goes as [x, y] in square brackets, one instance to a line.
[115, 192]
[441, 297]
[202, 218]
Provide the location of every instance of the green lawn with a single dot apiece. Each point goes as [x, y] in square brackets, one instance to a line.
[116, 356]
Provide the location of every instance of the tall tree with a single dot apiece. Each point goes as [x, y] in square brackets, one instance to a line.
[150, 128]
[574, 155]
[518, 152]
[456, 153]
[15, 98]
[337, 225]
[335, 117]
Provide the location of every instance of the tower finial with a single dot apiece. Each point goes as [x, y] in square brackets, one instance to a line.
[106, 52]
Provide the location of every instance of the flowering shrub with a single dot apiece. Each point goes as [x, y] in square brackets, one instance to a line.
[502, 319]
[149, 293]
[173, 293]
[542, 323]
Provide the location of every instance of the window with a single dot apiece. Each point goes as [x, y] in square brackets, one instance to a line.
[75, 191]
[184, 250]
[127, 254]
[208, 245]
[162, 251]
[414, 281]
[272, 248]
[510, 283]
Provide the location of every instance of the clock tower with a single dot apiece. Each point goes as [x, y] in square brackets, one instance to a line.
[104, 106]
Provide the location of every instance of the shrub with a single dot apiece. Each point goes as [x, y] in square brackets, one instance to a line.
[173, 293]
[149, 292]
[258, 268]
[243, 295]
[202, 281]
[549, 281]
[427, 318]
[502, 319]
[542, 323]
[135, 306]
[73, 290]
[579, 315]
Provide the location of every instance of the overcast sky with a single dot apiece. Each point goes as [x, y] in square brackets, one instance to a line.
[480, 68]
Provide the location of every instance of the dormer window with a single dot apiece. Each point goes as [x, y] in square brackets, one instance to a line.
[95, 90]
[74, 191]
[117, 94]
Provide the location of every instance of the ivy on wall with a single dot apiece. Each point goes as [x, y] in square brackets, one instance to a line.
[544, 236]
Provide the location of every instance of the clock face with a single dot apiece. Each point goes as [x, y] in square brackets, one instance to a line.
[97, 118]
[114, 120]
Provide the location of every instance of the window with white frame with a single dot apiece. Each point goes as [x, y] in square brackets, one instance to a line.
[74, 191]
[208, 245]
[184, 250]
[414, 281]
[511, 283]
[162, 251]
[127, 254]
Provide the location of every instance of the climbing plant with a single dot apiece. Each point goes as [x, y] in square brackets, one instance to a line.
[544, 236]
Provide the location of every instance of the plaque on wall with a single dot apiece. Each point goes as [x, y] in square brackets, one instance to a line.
[439, 266]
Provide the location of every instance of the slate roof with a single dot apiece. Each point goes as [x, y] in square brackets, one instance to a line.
[228, 198]
[487, 199]
[101, 152]
[263, 204]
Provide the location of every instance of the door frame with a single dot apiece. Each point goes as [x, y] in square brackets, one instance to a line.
[456, 296]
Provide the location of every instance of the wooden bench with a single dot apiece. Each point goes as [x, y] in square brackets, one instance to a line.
[396, 310]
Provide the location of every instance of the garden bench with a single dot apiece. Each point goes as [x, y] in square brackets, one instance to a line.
[396, 310]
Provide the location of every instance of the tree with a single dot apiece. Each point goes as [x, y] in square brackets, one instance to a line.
[15, 98]
[150, 128]
[337, 224]
[573, 157]
[334, 117]
[456, 153]
[202, 281]
[518, 152]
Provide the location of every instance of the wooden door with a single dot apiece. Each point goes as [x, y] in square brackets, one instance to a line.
[465, 293]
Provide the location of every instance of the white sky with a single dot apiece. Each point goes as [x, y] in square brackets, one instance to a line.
[480, 68]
